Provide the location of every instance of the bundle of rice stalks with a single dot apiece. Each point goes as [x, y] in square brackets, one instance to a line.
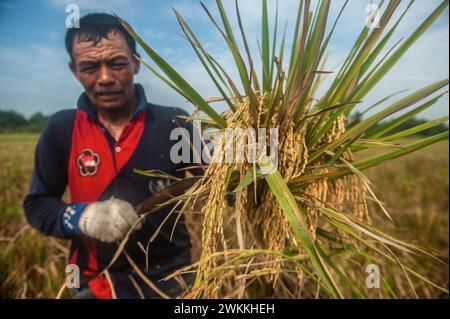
[300, 225]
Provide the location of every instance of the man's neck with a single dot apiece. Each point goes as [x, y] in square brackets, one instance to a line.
[115, 122]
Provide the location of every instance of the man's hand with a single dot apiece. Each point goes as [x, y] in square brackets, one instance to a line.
[108, 220]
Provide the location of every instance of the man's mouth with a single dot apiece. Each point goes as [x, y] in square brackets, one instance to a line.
[109, 93]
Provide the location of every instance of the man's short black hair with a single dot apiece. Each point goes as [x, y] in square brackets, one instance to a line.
[96, 26]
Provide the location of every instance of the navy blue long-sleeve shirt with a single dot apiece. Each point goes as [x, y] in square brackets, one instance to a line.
[75, 150]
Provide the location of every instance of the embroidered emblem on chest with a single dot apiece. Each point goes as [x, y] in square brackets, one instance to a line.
[88, 162]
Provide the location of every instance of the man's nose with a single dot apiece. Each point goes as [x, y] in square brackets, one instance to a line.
[105, 76]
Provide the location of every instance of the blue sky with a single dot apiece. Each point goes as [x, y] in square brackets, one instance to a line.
[33, 63]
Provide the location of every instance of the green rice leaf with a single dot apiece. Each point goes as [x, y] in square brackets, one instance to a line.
[296, 220]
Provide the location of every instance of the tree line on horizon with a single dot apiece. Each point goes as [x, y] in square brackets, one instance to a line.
[12, 121]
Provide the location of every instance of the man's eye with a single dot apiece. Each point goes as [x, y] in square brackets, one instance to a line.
[118, 65]
[88, 69]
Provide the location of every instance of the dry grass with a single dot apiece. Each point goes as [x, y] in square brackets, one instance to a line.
[31, 265]
[414, 190]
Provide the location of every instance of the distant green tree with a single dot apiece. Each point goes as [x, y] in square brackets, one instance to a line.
[415, 122]
[13, 122]
[410, 123]
[10, 120]
[37, 122]
[354, 118]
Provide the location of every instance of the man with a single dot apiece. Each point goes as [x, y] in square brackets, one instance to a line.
[94, 150]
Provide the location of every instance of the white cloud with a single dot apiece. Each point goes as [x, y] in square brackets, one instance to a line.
[50, 86]
[36, 78]
[425, 63]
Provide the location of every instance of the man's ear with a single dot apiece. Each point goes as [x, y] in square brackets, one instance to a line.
[137, 63]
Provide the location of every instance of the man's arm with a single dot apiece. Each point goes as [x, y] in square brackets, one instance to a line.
[107, 221]
[43, 206]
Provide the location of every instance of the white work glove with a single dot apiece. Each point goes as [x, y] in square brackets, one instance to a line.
[109, 220]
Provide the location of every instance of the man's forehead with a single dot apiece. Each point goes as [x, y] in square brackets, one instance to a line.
[114, 44]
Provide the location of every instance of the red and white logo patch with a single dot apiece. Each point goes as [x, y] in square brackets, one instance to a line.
[88, 162]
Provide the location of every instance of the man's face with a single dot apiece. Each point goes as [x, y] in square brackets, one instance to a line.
[106, 71]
